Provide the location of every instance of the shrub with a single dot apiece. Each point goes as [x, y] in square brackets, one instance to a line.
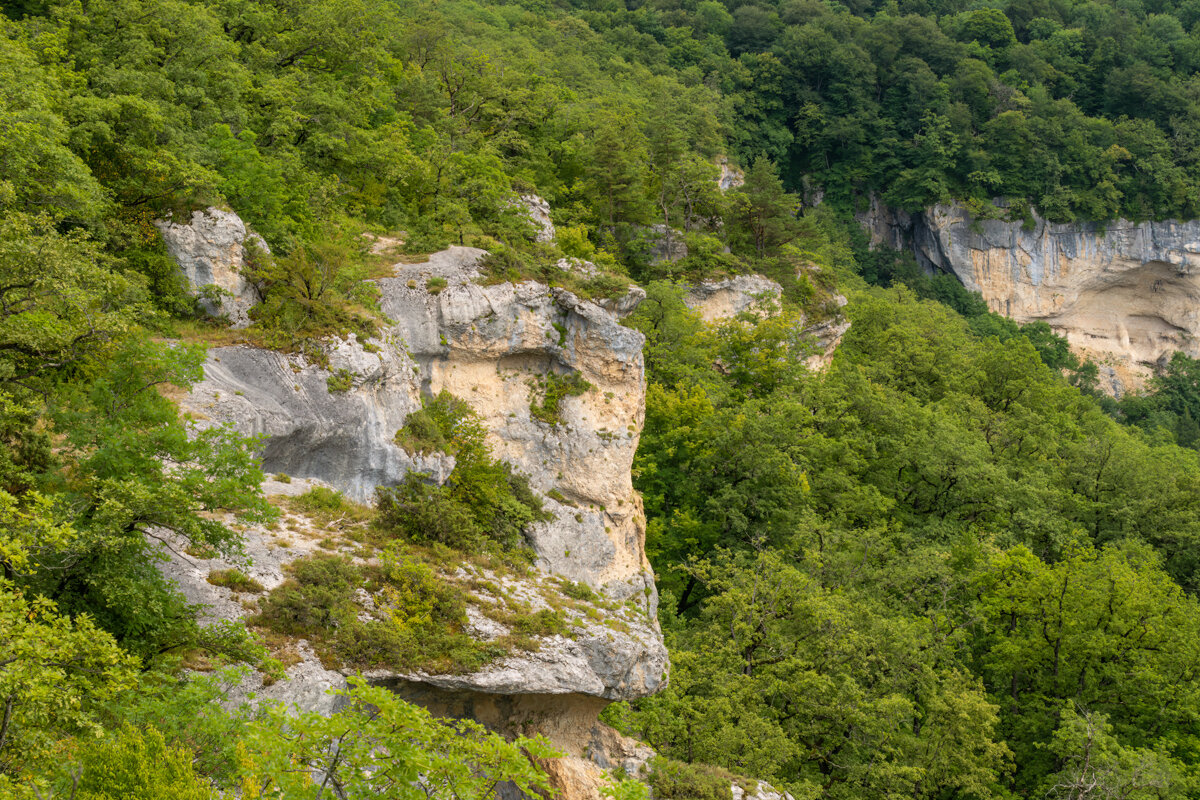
[415, 620]
[322, 498]
[340, 381]
[421, 435]
[435, 284]
[675, 780]
[574, 241]
[315, 291]
[134, 764]
[579, 591]
[443, 424]
[236, 580]
[308, 602]
[422, 512]
[554, 388]
[482, 502]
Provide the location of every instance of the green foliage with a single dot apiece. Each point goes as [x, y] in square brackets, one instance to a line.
[482, 502]
[553, 388]
[136, 764]
[321, 499]
[626, 789]
[675, 780]
[1171, 405]
[765, 215]
[340, 381]
[416, 621]
[314, 292]
[442, 424]
[384, 747]
[187, 709]
[55, 671]
[893, 577]
[236, 580]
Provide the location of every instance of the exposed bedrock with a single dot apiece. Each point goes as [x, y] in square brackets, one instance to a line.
[492, 346]
[723, 299]
[1127, 290]
[210, 250]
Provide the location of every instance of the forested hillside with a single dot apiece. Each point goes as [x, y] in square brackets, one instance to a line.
[1086, 110]
[936, 568]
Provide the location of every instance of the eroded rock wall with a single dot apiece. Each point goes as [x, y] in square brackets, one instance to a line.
[210, 249]
[1123, 290]
[492, 346]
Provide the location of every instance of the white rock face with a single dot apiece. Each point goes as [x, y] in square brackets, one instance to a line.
[731, 177]
[716, 300]
[538, 211]
[1126, 290]
[491, 346]
[210, 251]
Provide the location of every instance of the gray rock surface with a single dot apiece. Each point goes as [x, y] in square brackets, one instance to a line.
[210, 250]
[1123, 289]
[730, 176]
[616, 655]
[490, 345]
[538, 211]
[729, 297]
[763, 791]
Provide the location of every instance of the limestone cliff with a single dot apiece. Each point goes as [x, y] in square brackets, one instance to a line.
[1126, 291]
[717, 300]
[494, 346]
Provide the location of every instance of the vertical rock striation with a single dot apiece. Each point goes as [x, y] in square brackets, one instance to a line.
[1129, 291]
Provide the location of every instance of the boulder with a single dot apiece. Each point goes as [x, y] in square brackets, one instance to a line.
[210, 250]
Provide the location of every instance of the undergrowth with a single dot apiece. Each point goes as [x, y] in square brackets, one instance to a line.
[398, 612]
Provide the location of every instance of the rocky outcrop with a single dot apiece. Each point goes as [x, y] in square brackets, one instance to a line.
[210, 250]
[730, 177]
[1126, 290]
[716, 300]
[557, 687]
[492, 346]
[538, 212]
[612, 653]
